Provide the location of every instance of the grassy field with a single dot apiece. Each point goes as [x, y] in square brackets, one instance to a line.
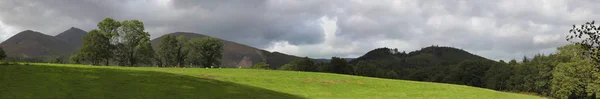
[64, 81]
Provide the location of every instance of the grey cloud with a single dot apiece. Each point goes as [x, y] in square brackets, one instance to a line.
[497, 29]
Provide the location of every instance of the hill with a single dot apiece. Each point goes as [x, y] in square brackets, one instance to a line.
[73, 36]
[428, 56]
[77, 81]
[431, 64]
[33, 44]
[38, 46]
[239, 55]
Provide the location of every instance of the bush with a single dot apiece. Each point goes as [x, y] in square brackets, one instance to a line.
[261, 65]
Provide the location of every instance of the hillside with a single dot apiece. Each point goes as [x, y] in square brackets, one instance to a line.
[428, 56]
[73, 36]
[32, 44]
[432, 64]
[78, 81]
[236, 55]
[36, 45]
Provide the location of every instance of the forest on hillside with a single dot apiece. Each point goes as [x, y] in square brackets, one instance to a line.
[571, 72]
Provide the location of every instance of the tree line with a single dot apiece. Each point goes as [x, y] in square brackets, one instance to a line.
[572, 72]
[126, 43]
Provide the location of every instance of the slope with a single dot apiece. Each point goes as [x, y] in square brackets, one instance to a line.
[236, 55]
[73, 36]
[428, 56]
[76, 81]
[32, 44]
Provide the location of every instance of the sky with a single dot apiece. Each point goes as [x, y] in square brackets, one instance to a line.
[495, 29]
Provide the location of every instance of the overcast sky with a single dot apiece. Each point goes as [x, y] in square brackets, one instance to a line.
[495, 29]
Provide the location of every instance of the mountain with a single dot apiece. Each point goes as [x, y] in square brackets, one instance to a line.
[239, 55]
[433, 55]
[33, 44]
[73, 36]
[431, 64]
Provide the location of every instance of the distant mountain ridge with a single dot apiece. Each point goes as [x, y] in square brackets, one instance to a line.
[33, 44]
[428, 56]
[38, 46]
[239, 55]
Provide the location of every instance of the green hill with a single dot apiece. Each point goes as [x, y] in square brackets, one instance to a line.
[78, 81]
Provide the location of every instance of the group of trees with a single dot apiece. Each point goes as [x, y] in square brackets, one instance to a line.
[571, 72]
[2, 53]
[178, 51]
[340, 66]
[126, 43]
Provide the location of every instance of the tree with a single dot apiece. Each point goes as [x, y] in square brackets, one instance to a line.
[340, 66]
[261, 65]
[167, 50]
[109, 28]
[95, 47]
[574, 77]
[469, 73]
[209, 50]
[145, 52]
[182, 51]
[75, 58]
[365, 68]
[391, 74]
[587, 36]
[2, 53]
[496, 77]
[132, 41]
[300, 64]
[324, 67]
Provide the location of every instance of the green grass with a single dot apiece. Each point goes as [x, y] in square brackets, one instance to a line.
[79, 81]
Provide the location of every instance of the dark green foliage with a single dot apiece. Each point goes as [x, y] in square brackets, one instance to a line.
[171, 51]
[496, 77]
[469, 73]
[340, 66]
[365, 68]
[391, 74]
[300, 64]
[75, 58]
[96, 47]
[261, 65]
[324, 67]
[2, 53]
[208, 50]
[135, 42]
[56, 59]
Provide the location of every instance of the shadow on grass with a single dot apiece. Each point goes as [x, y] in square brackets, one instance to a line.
[85, 83]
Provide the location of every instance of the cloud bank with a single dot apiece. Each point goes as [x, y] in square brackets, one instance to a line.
[496, 29]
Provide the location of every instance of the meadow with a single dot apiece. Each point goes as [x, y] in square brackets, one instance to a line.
[66, 81]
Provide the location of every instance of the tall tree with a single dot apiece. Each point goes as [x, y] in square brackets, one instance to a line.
[300, 64]
[588, 36]
[496, 76]
[209, 50]
[167, 50]
[365, 68]
[109, 28]
[340, 65]
[2, 53]
[95, 47]
[133, 37]
[182, 51]
[574, 76]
